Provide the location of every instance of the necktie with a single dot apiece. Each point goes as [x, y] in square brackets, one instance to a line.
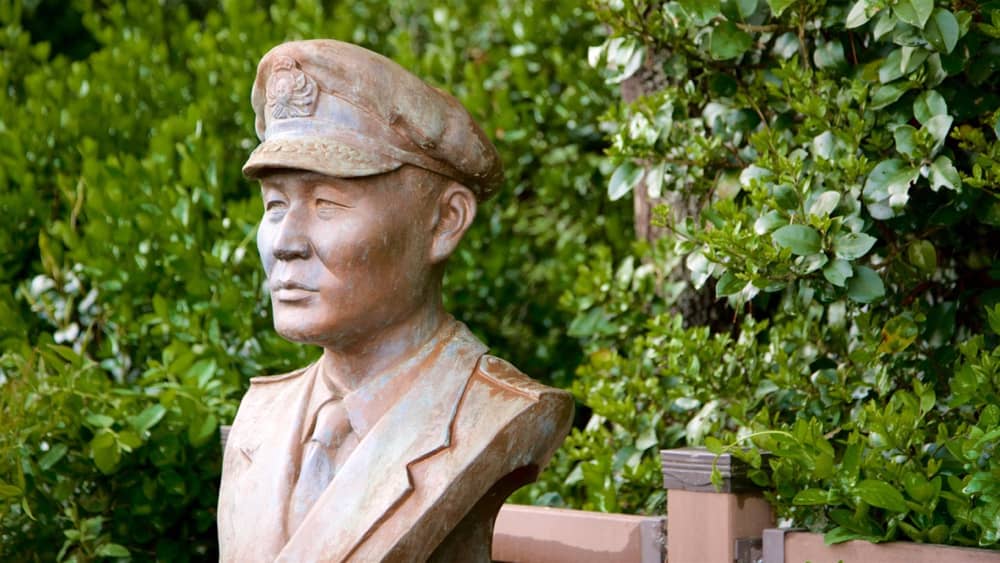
[330, 443]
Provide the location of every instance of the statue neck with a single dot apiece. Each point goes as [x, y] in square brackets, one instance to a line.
[350, 366]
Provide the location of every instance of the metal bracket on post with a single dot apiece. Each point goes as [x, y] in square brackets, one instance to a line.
[749, 550]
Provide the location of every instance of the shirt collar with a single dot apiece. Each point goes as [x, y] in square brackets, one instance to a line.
[366, 404]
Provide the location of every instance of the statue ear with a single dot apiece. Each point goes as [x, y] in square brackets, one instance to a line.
[456, 208]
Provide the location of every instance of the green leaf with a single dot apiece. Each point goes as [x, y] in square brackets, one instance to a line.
[980, 482]
[713, 445]
[27, 508]
[888, 93]
[929, 104]
[825, 204]
[646, 439]
[778, 7]
[112, 550]
[654, 180]
[769, 222]
[993, 316]
[810, 263]
[850, 464]
[811, 497]
[892, 67]
[851, 246]
[9, 491]
[938, 127]
[942, 31]
[824, 145]
[202, 429]
[912, 58]
[884, 24]
[897, 334]
[129, 440]
[923, 256]
[801, 239]
[105, 452]
[99, 420]
[881, 494]
[701, 11]
[66, 353]
[859, 14]
[905, 143]
[840, 535]
[728, 284]
[876, 185]
[898, 186]
[202, 372]
[625, 177]
[865, 286]
[148, 418]
[746, 8]
[938, 534]
[785, 196]
[918, 487]
[837, 272]
[625, 55]
[728, 41]
[52, 456]
[914, 12]
[829, 54]
[935, 72]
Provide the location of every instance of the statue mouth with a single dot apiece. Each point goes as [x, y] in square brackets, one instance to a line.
[292, 291]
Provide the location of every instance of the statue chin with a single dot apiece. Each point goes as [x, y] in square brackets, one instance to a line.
[300, 332]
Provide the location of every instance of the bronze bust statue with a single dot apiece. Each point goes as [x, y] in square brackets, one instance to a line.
[402, 441]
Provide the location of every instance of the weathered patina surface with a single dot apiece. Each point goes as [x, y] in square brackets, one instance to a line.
[402, 441]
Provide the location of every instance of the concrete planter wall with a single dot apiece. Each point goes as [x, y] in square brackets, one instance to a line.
[736, 525]
[787, 546]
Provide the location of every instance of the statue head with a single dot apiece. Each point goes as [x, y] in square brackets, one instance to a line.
[370, 177]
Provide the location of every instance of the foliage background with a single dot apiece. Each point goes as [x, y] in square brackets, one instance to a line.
[827, 169]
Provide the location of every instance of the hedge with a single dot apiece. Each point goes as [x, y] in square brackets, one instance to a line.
[132, 309]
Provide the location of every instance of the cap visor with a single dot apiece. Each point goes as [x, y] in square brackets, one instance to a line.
[320, 155]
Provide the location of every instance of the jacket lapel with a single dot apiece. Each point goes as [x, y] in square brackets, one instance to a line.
[267, 441]
[375, 479]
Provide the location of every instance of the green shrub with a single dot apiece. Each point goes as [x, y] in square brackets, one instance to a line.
[844, 161]
[132, 310]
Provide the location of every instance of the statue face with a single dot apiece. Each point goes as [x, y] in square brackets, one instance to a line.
[345, 257]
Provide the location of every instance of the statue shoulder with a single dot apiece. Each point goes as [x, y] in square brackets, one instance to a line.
[271, 379]
[501, 373]
[522, 411]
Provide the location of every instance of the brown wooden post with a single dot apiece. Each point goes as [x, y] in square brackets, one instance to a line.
[709, 526]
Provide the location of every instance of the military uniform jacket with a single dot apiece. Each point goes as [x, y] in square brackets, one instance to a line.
[423, 484]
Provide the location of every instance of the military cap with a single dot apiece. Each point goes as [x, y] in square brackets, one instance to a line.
[341, 110]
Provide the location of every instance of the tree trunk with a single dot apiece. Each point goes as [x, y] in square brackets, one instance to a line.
[697, 307]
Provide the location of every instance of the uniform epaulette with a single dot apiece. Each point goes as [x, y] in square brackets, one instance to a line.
[504, 374]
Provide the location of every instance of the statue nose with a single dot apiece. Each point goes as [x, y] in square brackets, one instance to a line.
[291, 242]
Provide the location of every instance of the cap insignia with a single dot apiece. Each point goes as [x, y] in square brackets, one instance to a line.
[290, 92]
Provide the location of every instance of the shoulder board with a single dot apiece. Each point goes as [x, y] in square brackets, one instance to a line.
[502, 373]
[263, 379]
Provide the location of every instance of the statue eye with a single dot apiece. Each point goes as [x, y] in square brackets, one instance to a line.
[275, 205]
[328, 205]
